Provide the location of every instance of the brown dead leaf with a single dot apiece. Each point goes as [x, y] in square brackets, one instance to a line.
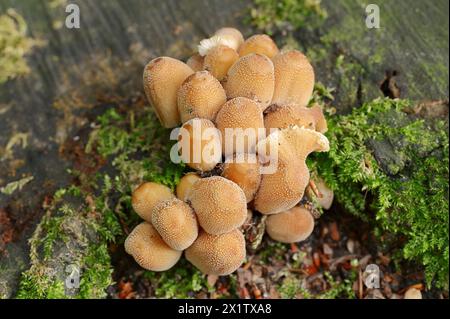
[334, 231]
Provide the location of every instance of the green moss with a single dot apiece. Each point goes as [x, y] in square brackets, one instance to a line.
[392, 170]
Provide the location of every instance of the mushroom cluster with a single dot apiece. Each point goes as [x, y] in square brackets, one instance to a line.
[230, 84]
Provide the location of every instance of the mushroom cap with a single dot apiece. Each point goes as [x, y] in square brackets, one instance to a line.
[288, 115]
[294, 79]
[293, 225]
[219, 60]
[327, 194]
[195, 62]
[219, 203]
[243, 116]
[176, 223]
[147, 196]
[185, 185]
[233, 33]
[217, 254]
[149, 250]
[201, 95]
[252, 76]
[202, 149]
[261, 44]
[163, 77]
[284, 188]
[245, 174]
[413, 293]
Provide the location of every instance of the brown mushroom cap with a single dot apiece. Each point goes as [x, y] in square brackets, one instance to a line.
[219, 203]
[261, 44]
[147, 196]
[288, 115]
[201, 95]
[284, 188]
[217, 254]
[252, 76]
[246, 116]
[219, 60]
[163, 77]
[245, 174]
[195, 62]
[233, 33]
[204, 149]
[149, 250]
[176, 223]
[294, 79]
[290, 226]
[185, 185]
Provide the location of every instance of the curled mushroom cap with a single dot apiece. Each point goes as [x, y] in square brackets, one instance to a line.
[252, 76]
[259, 43]
[284, 188]
[219, 60]
[294, 79]
[293, 225]
[149, 250]
[231, 33]
[201, 95]
[219, 203]
[288, 115]
[176, 223]
[185, 185]
[239, 121]
[147, 196]
[217, 254]
[200, 145]
[245, 173]
[163, 77]
[195, 62]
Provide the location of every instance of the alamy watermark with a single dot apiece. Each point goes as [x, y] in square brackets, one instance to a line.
[373, 16]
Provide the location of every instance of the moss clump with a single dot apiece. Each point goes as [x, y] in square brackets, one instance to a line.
[392, 169]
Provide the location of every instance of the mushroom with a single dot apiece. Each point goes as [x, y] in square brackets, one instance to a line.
[319, 192]
[199, 144]
[147, 196]
[240, 122]
[259, 43]
[288, 115]
[231, 33]
[252, 76]
[219, 203]
[291, 226]
[219, 60]
[284, 188]
[246, 174]
[217, 254]
[185, 185]
[201, 95]
[163, 77]
[294, 79]
[149, 250]
[413, 293]
[195, 62]
[176, 223]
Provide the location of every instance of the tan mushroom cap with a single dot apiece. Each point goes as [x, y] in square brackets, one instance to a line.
[294, 79]
[147, 196]
[261, 44]
[163, 77]
[291, 226]
[231, 33]
[246, 174]
[413, 293]
[149, 250]
[252, 76]
[201, 95]
[288, 115]
[176, 223]
[240, 120]
[284, 188]
[201, 148]
[325, 200]
[219, 60]
[217, 254]
[219, 203]
[195, 62]
[185, 185]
